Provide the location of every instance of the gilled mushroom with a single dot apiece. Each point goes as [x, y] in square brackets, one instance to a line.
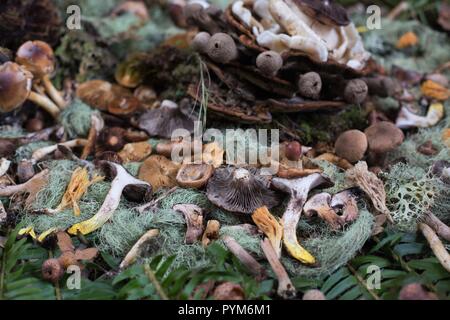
[344, 202]
[298, 190]
[269, 62]
[320, 205]
[123, 183]
[351, 145]
[221, 48]
[193, 215]
[194, 175]
[326, 11]
[159, 172]
[240, 190]
[15, 89]
[38, 57]
[407, 119]
[382, 137]
[162, 122]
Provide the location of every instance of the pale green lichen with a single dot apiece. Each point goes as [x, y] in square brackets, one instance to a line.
[76, 119]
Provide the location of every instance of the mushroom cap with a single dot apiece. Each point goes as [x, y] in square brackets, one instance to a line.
[159, 172]
[37, 56]
[383, 137]
[314, 294]
[351, 145]
[326, 11]
[269, 62]
[240, 190]
[194, 175]
[356, 91]
[221, 48]
[108, 97]
[200, 42]
[163, 121]
[15, 86]
[293, 150]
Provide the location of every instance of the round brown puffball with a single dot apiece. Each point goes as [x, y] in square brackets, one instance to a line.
[355, 91]
[313, 294]
[269, 62]
[200, 42]
[52, 270]
[221, 48]
[293, 150]
[310, 85]
[351, 145]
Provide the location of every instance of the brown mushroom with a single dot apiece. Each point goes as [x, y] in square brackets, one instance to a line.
[228, 291]
[162, 122]
[135, 152]
[111, 139]
[269, 62]
[39, 59]
[194, 175]
[310, 85]
[15, 89]
[200, 42]
[159, 172]
[351, 145]
[325, 11]
[382, 137]
[193, 215]
[221, 48]
[240, 190]
[355, 91]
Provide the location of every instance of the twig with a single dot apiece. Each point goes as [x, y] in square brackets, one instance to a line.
[362, 281]
[437, 225]
[436, 245]
[154, 202]
[151, 276]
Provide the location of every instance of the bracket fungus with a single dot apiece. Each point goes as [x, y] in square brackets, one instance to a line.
[193, 215]
[122, 183]
[240, 190]
[159, 172]
[38, 58]
[194, 175]
[298, 190]
[16, 88]
[163, 121]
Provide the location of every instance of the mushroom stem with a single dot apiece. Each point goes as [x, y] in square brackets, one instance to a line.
[436, 245]
[24, 187]
[136, 249]
[53, 92]
[244, 257]
[96, 126]
[42, 152]
[437, 225]
[45, 103]
[211, 232]
[194, 220]
[286, 289]
[122, 179]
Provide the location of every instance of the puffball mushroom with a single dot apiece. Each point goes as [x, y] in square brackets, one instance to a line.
[269, 62]
[159, 172]
[221, 48]
[15, 89]
[200, 42]
[351, 145]
[355, 91]
[383, 137]
[298, 190]
[310, 85]
[194, 175]
[162, 122]
[240, 190]
[38, 57]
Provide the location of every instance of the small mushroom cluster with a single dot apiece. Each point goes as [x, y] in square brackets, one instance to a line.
[285, 56]
[28, 78]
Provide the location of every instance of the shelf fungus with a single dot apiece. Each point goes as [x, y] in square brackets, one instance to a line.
[407, 119]
[298, 190]
[193, 215]
[123, 183]
[240, 190]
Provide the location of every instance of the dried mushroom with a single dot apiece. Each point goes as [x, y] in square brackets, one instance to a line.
[159, 172]
[194, 175]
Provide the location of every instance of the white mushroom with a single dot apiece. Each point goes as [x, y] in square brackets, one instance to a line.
[40, 153]
[123, 181]
[298, 189]
[345, 201]
[407, 119]
[320, 205]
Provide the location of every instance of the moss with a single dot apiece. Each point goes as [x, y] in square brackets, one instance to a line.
[76, 119]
